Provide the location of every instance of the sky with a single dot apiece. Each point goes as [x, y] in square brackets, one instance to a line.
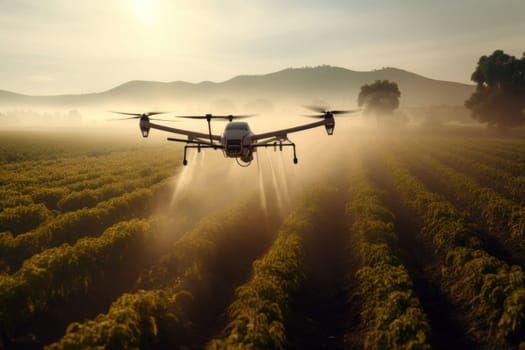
[69, 47]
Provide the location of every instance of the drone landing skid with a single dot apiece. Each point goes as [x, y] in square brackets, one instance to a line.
[198, 147]
[194, 144]
[275, 145]
[281, 145]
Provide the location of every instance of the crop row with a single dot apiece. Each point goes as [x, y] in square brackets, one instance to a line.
[513, 149]
[55, 274]
[61, 172]
[498, 213]
[119, 170]
[134, 321]
[392, 315]
[11, 198]
[179, 286]
[476, 166]
[261, 309]
[24, 146]
[506, 161]
[69, 227]
[492, 291]
[24, 218]
[111, 187]
[73, 188]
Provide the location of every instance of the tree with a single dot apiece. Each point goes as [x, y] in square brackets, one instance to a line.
[499, 98]
[379, 98]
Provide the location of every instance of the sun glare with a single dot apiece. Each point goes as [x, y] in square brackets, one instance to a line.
[144, 9]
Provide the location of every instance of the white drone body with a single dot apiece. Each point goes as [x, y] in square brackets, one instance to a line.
[237, 140]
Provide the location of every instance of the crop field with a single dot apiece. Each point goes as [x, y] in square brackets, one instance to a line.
[402, 241]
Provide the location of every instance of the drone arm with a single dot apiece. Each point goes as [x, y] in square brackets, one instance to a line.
[262, 143]
[196, 142]
[191, 134]
[282, 134]
[273, 143]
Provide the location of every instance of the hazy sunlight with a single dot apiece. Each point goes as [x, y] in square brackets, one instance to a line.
[144, 10]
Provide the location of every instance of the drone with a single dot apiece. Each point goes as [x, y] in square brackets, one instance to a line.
[237, 140]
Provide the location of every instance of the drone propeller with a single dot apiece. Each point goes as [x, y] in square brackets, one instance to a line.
[209, 117]
[325, 113]
[147, 114]
[141, 115]
[156, 119]
[124, 118]
[319, 109]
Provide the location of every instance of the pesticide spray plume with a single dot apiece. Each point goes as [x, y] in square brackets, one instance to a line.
[210, 181]
[262, 193]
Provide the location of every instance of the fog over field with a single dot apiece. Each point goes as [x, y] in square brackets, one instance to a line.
[282, 95]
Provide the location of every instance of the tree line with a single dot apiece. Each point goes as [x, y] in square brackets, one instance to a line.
[498, 99]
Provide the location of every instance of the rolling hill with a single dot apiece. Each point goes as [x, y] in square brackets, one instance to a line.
[332, 85]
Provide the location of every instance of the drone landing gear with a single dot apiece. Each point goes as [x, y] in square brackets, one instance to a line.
[281, 145]
[295, 160]
[198, 147]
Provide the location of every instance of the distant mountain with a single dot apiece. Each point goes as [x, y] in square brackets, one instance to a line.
[332, 85]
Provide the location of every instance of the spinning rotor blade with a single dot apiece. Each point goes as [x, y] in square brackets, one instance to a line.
[210, 116]
[147, 114]
[242, 116]
[191, 116]
[123, 118]
[325, 113]
[154, 113]
[139, 116]
[316, 116]
[343, 112]
[320, 109]
[136, 114]
[164, 120]
[232, 117]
